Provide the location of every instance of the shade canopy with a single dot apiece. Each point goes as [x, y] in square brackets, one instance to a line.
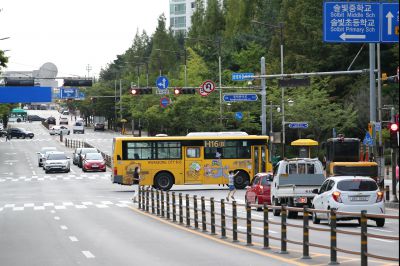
[304, 142]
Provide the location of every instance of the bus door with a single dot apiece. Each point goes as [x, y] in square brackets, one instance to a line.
[259, 159]
[193, 167]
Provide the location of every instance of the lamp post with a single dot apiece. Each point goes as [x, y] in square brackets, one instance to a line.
[271, 132]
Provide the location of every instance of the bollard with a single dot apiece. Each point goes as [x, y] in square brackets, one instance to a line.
[203, 214]
[180, 209]
[306, 247]
[158, 202]
[248, 225]
[234, 222]
[162, 204]
[196, 214]
[332, 222]
[187, 211]
[173, 208]
[212, 216]
[387, 193]
[364, 239]
[223, 222]
[152, 201]
[167, 202]
[139, 197]
[283, 230]
[147, 199]
[266, 227]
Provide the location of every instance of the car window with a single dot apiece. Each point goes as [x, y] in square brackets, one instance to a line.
[357, 185]
[256, 180]
[94, 156]
[330, 185]
[56, 156]
[264, 181]
[324, 186]
[87, 150]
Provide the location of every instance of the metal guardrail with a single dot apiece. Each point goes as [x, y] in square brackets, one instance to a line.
[74, 143]
[154, 202]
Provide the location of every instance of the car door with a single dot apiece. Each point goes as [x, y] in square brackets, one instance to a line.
[251, 192]
[325, 196]
[318, 199]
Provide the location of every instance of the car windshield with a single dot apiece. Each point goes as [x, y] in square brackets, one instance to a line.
[88, 150]
[357, 185]
[56, 156]
[44, 150]
[94, 156]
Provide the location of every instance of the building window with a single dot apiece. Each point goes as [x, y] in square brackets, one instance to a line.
[178, 22]
[178, 9]
[193, 5]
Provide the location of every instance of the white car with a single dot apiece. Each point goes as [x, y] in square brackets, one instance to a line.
[42, 152]
[57, 130]
[45, 156]
[78, 127]
[63, 120]
[349, 194]
[57, 162]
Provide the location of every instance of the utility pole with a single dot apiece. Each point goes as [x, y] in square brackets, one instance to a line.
[263, 99]
[120, 99]
[88, 68]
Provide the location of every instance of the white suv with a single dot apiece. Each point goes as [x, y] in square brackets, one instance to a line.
[78, 128]
[349, 194]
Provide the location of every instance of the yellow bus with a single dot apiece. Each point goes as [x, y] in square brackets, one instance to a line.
[196, 159]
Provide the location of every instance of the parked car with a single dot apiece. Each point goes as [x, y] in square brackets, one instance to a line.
[35, 118]
[99, 126]
[63, 120]
[57, 162]
[1, 126]
[75, 156]
[259, 192]
[51, 120]
[42, 153]
[58, 130]
[20, 133]
[349, 194]
[93, 162]
[82, 154]
[78, 128]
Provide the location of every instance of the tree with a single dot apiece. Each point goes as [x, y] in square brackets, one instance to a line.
[3, 59]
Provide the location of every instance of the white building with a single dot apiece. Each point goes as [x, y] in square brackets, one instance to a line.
[181, 12]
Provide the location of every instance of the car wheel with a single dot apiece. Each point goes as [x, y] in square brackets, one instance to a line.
[31, 137]
[46, 171]
[315, 219]
[276, 212]
[23, 136]
[241, 180]
[164, 181]
[380, 222]
[104, 170]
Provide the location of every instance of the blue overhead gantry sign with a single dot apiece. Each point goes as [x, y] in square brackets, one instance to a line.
[390, 22]
[351, 22]
[24, 94]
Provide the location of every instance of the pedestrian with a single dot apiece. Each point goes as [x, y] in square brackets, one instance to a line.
[138, 178]
[8, 135]
[231, 185]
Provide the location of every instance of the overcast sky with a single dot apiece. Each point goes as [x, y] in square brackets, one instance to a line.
[73, 33]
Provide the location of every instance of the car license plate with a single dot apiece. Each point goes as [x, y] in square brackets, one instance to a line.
[95, 165]
[359, 198]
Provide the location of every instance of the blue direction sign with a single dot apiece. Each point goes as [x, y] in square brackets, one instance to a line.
[351, 22]
[390, 22]
[242, 76]
[298, 125]
[249, 97]
[368, 140]
[239, 116]
[162, 83]
[66, 93]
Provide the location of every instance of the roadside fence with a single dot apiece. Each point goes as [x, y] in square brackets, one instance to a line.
[187, 211]
[74, 143]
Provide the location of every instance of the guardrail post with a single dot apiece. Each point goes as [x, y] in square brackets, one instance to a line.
[364, 239]
[196, 214]
[266, 227]
[332, 221]
[180, 209]
[306, 238]
[283, 230]
[248, 225]
[158, 202]
[212, 216]
[152, 201]
[147, 199]
[139, 197]
[167, 202]
[203, 214]
[162, 204]
[173, 207]
[223, 221]
[234, 222]
[387, 193]
[187, 211]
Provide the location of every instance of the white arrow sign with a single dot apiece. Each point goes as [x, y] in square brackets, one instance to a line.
[345, 36]
[389, 17]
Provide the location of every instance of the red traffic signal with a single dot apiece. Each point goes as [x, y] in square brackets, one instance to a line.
[135, 91]
[177, 91]
[394, 135]
[394, 127]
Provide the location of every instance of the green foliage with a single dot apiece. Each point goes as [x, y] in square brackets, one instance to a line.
[3, 59]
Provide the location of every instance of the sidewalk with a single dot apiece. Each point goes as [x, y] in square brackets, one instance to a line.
[388, 182]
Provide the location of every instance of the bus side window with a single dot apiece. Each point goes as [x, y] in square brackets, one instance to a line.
[118, 157]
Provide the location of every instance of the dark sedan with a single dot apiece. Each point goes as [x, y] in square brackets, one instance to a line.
[99, 126]
[20, 133]
[35, 118]
[51, 120]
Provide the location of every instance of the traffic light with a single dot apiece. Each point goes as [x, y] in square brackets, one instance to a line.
[138, 91]
[146, 91]
[389, 79]
[188, 91]
[78, 82]
[394, 134]
[19, 82]
[177, 91]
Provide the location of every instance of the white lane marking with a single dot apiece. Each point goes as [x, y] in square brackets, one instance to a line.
[59, 207]
[80, 207]
[68, 203]
[383, 240]
[106, 202]
[18, 208]
[53, 211]
[122, 205]
[9, 206]
[47, 204]
[101, 206]
[381, 230]
[63, 227]
[88, 254]
[33, 172]
[73, 239]
[56, 218]
[87, 203]
[36, 208]
[29, 204]
[1, 209]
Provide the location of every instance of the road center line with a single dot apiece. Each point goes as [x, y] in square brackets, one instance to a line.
[73, 239]
[56, 218]
[88, 254]
[63, 227]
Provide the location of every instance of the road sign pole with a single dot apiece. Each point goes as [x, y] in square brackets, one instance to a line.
[263, 99]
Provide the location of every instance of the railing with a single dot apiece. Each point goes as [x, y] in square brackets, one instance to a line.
[74, 143]
[154, 202]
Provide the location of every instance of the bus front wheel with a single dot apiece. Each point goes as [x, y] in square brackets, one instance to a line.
[241, 180]
[163, 181]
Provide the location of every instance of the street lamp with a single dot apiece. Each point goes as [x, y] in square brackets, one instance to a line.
[290, 103]
[271, 126]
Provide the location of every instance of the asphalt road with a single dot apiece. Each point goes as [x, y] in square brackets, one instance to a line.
[81, 218]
